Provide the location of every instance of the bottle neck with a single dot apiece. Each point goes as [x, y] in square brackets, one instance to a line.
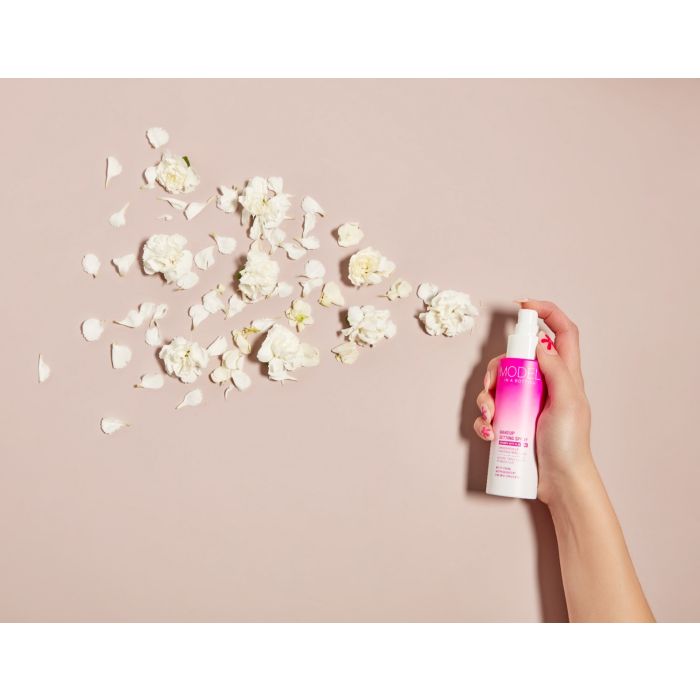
[522, 346]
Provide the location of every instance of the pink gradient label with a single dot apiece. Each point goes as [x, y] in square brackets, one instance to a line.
[519, 392]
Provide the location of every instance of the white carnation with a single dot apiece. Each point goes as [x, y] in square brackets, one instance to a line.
[284, 352]
[167, 255]
[184, 359]
[369, 266]
[448, 313]
[367, 325]
[258, 278]
[349, 234]
[175, 174]
[265, 207]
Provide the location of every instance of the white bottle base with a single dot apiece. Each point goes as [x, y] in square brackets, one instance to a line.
[511, 491]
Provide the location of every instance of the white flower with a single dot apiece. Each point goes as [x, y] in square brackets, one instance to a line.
[231, 369]
[346, 353]
[258, 278]
[331, 295]
[369, 266]
[264, 204]
[166, 254]
[399, 290]
[284, 352]
[314, 271]
[349, 234]
[448, 312]
[367, 325]
[299, 314]
[184, 359]
[175, 174]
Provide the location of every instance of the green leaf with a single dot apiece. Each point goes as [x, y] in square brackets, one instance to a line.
[187, 160]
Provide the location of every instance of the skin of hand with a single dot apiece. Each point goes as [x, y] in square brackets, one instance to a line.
[598, 575]
[563, 429]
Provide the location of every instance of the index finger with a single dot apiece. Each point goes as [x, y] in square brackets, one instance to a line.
[565, 329]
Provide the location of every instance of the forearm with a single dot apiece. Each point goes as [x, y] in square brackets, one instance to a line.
[599, 579]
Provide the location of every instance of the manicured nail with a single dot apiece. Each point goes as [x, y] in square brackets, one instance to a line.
[486, 432]
[487, 380]
[485, 412]
[547, 342]
[520, 301]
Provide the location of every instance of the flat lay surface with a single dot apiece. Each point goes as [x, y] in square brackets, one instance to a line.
[356, 492]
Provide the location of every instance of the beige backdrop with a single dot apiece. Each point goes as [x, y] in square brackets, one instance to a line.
[356, 493]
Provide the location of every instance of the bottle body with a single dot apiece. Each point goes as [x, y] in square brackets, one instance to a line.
[519, 394]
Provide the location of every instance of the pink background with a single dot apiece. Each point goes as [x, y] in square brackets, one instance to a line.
[356, 493]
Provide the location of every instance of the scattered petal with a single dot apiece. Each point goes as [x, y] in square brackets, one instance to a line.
[315, 269]
[178, 204]
[225, 244]
[153, 336]
[114, 168]
[283, 290]
[227, 199]
[213, 302]
[307, 286]
[310, 206]
[121, 356]
[111, 425]
[235, 306]
[157, 136]
[198, 314]
[346, 353]
[91, 264]
[217, 347]
[187, 281]
[331, 295]
[92, 329]
[135, 317]
[349, 234]
[240, 379]
[118, 219]
[294, 250]
[192, 398]
[151, 381]
[426, 291]
[43, 369]
[205, 258]
[149, 177]
[399, 290]
[195, 208]
[124, 263]
[159, 312]
[309, 242]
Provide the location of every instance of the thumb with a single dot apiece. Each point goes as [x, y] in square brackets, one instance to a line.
[554, 370]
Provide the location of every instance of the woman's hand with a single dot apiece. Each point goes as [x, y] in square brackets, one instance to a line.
[563, 430]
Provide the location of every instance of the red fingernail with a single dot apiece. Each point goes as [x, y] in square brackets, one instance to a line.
[485, 412]
[547, 342]
[485, 432]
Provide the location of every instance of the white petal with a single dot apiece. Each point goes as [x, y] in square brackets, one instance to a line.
[213, 302]
[195, 208]
[165, 217]
[91, 264]
[276, 184]
[157, 136]
[149, 177]
[111, 425]
[124, 263]
[121, 356]
[309, 224]
[294, 250]
[225, 244]
[205, 258]
[426, 291]
[160, 311]
[331, 295]
[135, 317]
[188, 280]
[192, 398]
[178, 204]
[315, 269]
[307, 286]
[92, 329]
[399, 290]
[235, 306]
[114, 168]
[310, 242]
[217, 347]
[349, 234]
[151, 381]
[118, 219]
[347, 353]
[198, 314]
[262, 324]
[310, 206]
[227, 391]
[283, 290]
[153, 337]
[240, 379]
[44, 370]
[220, 375]
[227, 199]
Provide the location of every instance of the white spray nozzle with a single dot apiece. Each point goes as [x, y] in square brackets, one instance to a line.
[522, 342]
[527, 322]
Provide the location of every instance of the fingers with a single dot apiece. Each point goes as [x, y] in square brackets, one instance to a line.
[483, 429]
[565, 330]
[560, 384]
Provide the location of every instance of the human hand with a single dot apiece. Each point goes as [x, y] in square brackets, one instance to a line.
[562, 438]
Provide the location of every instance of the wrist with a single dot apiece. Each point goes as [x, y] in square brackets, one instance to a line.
[573, 487]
